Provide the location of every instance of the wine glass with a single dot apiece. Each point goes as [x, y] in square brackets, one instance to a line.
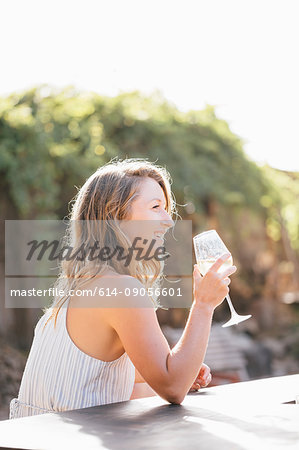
[208, 248]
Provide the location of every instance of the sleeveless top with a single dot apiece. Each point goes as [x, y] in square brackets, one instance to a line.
[60, 377]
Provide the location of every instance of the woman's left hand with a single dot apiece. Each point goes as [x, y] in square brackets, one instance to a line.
[203, 378]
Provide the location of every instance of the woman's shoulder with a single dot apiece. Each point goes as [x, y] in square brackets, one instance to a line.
[110, 276]
[111, 289]
[117, 290]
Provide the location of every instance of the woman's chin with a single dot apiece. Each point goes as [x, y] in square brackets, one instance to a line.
[159, 240]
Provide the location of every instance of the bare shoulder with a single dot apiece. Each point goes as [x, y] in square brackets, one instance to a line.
[114, 290]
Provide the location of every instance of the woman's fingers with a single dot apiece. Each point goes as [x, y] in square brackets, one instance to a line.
[226, 281]
[211, 289]
[205, 381]
[218, 263]
[228, 272]
[196, 272]
[204, 370]
[204, 377]
[195, 387]
[208, 380]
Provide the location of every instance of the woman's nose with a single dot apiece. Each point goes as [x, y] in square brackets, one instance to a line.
[167, 220]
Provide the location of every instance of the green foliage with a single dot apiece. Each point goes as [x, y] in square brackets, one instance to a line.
[52, 140]
[283, 204]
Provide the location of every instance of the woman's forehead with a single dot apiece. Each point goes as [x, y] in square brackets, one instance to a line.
[150, 189]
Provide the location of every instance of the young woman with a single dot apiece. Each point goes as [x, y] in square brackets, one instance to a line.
[88, 352]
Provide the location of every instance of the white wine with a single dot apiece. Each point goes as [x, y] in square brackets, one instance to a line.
[207, 247]
[205, 264]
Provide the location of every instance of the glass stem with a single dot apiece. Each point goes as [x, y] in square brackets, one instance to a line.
[231, 306]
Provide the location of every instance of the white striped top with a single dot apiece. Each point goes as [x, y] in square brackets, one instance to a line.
[60, 377]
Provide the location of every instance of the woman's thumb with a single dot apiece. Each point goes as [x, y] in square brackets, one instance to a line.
[196, 271]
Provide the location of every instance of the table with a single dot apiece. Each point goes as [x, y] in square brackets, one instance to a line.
[248, 415]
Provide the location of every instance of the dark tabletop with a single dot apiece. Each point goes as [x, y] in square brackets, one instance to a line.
[257, 415]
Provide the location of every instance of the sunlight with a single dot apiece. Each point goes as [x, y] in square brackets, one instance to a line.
[196, 54]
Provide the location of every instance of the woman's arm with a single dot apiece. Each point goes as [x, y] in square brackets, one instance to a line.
[141, 388]
[138, 377]
[170, 373]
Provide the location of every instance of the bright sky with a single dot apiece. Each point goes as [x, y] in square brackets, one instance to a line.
[235, 54]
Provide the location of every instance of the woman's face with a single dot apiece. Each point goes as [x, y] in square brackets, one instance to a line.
[148, 210]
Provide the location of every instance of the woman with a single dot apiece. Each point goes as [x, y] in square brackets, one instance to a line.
[88, 352]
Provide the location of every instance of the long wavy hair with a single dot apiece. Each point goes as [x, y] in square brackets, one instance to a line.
[102, 202]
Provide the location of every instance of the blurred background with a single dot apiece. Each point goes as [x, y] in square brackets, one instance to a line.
[207, 91]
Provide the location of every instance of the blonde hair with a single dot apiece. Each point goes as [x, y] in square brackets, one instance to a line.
[104, 199]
